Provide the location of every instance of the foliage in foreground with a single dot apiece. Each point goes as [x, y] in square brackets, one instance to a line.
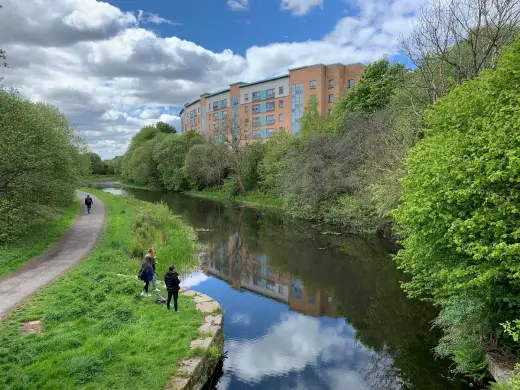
[40, 162]
[461, 203]
[98, 333]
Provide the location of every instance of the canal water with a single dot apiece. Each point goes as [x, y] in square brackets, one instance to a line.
[305, 308]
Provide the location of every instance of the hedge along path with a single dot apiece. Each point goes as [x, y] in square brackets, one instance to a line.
[74, 245]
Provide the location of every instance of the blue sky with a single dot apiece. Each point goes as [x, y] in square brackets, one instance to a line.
[114, 67]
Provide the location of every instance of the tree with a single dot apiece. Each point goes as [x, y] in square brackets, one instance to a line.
[206, 164]
[455, 40]
[170, 156]
[313, 122]
[236, 136]
[459, 212]
[378, 83]
[97, 166]
[40, 162]
[165, 128]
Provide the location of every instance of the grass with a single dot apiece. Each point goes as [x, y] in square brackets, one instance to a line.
[252, 198]
[41, 237]
[98, 333]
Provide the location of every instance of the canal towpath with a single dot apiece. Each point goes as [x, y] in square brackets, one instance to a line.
[72, 247]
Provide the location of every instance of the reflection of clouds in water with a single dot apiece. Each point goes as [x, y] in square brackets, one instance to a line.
[295, 343]
[241, 319]
[224, 382]
[193, 279]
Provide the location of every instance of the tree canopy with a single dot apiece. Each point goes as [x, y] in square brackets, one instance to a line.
[40, 161]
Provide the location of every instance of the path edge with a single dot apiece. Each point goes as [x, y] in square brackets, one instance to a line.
[193, 373]
[64, 236]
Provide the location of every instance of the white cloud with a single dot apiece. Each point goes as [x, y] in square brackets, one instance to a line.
[241, 319]
[238, 5]
[148, 17]
[110, 75]
[193, 279]
[300, 7]
[291, 345]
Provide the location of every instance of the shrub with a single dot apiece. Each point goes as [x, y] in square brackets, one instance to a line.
[206, 164]
[40, 162]
[459, 216]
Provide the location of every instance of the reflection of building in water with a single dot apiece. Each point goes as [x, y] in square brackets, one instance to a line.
[251, 271]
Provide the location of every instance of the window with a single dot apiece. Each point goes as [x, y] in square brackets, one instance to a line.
[350, 83]
[269, 119]
[330, 112]
[256, 108]
[280, 104]
[269, 107]
[331, 83]
[281, 117]
[280, 289]
[247, 108]
[269, 93]
[311, 300]
[209, 106]
[255, 96]
[246, 97]
[331, 98]
[313, 84]
[225, 103]
[280, 90]
[198, 110]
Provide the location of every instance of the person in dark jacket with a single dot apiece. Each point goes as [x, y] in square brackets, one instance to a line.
[89, 202]
[172, 281]
[147, 265]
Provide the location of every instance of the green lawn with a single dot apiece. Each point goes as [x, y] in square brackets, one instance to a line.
[252, 198]
[98, 332]
[40, 238]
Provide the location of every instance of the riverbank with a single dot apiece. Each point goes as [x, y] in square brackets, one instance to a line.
[96, 329]
[252, 199]
[40, 238]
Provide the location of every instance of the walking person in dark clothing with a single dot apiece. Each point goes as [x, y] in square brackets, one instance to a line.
[89, 202]
[148, 275]
[172, 281]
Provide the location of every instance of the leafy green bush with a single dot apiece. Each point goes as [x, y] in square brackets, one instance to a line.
[207, 164]
[459, 216]
[40, 162]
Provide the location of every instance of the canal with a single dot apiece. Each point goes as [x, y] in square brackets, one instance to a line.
[305, 308]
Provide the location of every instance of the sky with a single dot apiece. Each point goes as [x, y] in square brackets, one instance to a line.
[114, 67]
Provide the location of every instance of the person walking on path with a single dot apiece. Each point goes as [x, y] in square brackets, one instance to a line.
[89, 202]
[147, 270]
[151, 258]
[172, 281]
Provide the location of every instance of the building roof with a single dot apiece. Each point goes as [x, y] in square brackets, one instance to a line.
[337, 63]
[216, 93]
[181, 111]
[264, 80]
[191, 103]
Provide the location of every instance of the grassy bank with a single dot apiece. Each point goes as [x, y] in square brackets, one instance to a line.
[40, 238]
[98, 333]
[252, 198]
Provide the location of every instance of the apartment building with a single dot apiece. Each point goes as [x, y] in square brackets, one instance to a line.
[270, 106]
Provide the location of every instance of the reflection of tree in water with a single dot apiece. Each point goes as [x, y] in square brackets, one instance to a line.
[358, 273]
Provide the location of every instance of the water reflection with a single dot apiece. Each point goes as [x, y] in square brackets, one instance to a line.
[307, 310]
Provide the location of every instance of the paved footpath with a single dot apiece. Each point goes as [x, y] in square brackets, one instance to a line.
[75, 244]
